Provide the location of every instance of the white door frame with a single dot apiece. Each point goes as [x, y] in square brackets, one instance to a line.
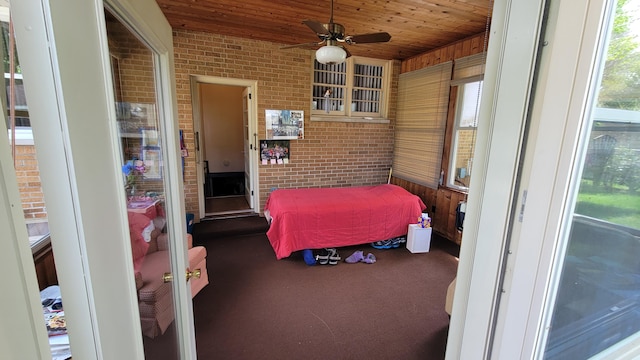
[253, 132]
[510, 64]
[71, 106]
[568, 72]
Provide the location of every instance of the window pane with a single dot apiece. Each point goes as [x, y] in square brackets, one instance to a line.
[470, 104]
[598, 297]
[367, 85]
[329, 87]
[24, 151]
[463, 159]
[463, 145]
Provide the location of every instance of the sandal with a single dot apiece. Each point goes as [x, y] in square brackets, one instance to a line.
[370, 259]
[355, 257]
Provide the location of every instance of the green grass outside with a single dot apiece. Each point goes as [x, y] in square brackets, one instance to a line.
[618, 205]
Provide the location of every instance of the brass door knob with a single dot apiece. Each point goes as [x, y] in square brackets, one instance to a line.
[167, 277]
[193, 274]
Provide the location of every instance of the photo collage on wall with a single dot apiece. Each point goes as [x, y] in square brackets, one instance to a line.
[281, 127]
[274, 152]
[284, 124]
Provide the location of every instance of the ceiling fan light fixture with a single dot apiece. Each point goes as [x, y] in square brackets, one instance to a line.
[331, 55]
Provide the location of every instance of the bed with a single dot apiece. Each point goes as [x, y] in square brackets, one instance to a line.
[319, 218]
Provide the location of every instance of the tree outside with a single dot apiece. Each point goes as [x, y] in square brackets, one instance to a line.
[610, 188]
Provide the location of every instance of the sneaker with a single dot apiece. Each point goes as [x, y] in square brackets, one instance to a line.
[334, 257]
[385, 244]
[396, 242]
[323, 257]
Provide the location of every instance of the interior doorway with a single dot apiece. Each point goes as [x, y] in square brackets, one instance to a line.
[225, 124]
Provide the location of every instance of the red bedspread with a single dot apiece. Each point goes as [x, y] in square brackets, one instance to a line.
[332, 217]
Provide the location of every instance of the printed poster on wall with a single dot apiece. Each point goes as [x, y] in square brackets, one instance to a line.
[284, 124]
[274, 152]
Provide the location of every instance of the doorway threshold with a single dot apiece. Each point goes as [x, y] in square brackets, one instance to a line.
[228, 215]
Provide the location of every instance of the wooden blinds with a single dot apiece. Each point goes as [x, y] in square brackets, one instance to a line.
[468, 69]
[423, 97]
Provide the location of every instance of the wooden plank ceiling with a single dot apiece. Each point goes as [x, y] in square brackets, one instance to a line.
[416, 26]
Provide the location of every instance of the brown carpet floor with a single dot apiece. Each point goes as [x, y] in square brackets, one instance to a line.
[257, 307]
[223, 204]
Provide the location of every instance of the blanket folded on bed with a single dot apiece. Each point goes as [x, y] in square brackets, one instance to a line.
[333, 217]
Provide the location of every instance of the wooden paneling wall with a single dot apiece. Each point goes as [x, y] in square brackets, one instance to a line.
[45, 267]
[442, 202]
[441, 206]
[470, 46]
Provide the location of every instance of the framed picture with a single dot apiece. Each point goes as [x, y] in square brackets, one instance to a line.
[152, 160]
[149, 137]
[274, 152]
[284, 124]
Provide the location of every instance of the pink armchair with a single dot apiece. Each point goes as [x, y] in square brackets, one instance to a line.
[151, 261]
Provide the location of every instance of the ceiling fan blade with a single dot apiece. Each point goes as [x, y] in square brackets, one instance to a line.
[317, 27]
[368, 38]
[306, 45]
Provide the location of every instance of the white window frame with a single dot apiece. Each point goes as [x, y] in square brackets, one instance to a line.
[346, 114]
[563, 90]
[510, 61]
[452, 173]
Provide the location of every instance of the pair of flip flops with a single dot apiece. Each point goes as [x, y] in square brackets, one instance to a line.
[359, 256]
[328, 256]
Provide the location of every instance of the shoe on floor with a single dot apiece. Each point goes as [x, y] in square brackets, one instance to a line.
[395, 242]
[307, 254]
[369, 259]
[385, 244]
[323, 257]
[334, 257]
[355, 257]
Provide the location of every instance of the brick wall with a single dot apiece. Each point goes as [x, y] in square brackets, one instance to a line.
[332, 153]
[466, 145]
[29, 184]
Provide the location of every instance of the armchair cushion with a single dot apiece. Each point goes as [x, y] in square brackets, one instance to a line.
[163, 242]
[138, 278]
[154, 295]
[140, 232]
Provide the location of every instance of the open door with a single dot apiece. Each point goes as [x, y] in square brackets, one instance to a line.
[77, 109]
[248, 147]
[225, 122]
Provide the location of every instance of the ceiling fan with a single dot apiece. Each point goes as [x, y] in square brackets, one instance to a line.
[332, 36]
